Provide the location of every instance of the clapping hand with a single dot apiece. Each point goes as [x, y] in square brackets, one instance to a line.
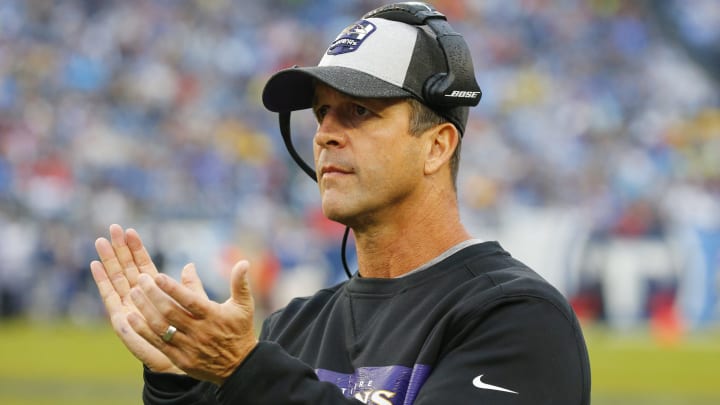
[122, 260]
[171, 326]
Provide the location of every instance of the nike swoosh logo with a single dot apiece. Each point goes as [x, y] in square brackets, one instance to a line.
[478, 383]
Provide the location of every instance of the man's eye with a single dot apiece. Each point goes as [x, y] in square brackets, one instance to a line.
[360, 110]
[320, 113]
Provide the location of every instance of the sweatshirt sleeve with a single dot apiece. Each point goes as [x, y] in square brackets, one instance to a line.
[525, 351]
[166, 389]
[271, 376]
[268, 376]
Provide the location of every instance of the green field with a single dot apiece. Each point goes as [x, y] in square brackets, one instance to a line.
[61, 364]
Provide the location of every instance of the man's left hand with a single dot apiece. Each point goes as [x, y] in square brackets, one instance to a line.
[212, 339]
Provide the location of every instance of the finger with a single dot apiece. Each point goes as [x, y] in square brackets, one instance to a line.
[112, 266]
[114, 305]
[110, 298]
[139, 343]
[172, 349]
[191, 280]
[142, 328]
[165, 305]
[153, 317]
[239, 284]
[196, 303]
[139, 252]
[125, 257]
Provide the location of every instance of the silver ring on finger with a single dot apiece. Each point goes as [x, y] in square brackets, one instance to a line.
[169, 333]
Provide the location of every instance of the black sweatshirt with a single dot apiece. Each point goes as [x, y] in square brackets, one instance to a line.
[479, 327]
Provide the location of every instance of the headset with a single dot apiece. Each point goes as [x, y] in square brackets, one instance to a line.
[459, 77]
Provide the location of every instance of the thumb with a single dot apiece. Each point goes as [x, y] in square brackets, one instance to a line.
[239, 284]
[191, 280]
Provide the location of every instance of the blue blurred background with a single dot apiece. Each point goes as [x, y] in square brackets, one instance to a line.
[594, 155]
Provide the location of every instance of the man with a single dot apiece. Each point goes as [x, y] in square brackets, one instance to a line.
[432, 315]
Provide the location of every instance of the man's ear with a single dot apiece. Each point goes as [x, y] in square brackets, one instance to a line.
[442, 140]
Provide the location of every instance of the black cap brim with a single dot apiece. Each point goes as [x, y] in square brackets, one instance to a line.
[292, 89]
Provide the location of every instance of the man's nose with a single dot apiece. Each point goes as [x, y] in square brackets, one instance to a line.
[331, 131]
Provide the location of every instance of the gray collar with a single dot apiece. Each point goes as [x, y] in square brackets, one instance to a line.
[444, 255]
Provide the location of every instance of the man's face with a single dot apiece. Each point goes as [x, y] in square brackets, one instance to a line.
[367, 163]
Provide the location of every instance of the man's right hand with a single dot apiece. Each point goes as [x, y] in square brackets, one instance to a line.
[122, 260]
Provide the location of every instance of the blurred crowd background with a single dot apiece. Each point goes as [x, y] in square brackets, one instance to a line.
[594, 155]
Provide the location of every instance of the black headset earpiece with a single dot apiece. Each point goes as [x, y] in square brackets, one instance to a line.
[455, 88]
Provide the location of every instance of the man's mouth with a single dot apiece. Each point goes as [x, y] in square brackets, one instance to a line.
[333, 170]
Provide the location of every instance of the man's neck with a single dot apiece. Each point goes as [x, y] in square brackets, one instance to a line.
[394, 249]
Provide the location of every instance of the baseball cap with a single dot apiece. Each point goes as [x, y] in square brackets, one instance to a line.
[373, 58]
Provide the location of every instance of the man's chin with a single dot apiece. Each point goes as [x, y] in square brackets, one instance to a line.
[338, 216]
[339, 212]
